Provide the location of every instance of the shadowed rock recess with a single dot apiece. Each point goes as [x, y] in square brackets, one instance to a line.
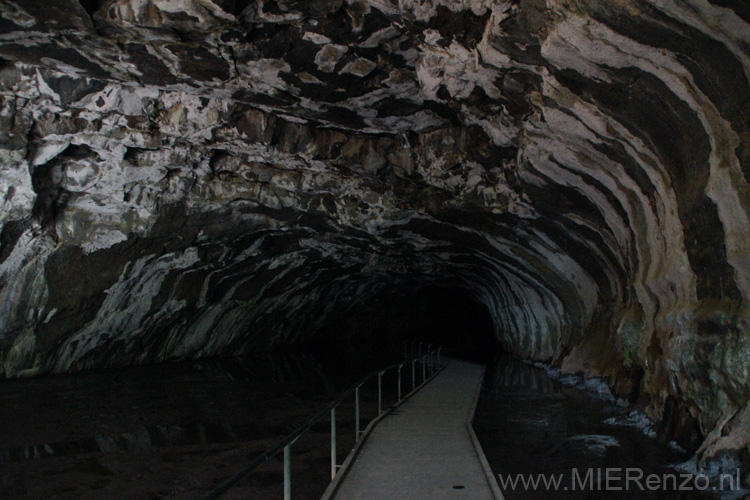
[187, 178]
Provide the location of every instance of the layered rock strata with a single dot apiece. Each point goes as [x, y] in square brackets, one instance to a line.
[193, 178]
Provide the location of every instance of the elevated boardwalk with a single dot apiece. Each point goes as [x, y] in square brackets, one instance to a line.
[424, 450]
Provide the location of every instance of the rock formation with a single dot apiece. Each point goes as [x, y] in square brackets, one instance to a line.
[184, 178]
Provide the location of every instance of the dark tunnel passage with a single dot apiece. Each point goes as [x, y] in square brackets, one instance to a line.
[173, 430]
[404, 318]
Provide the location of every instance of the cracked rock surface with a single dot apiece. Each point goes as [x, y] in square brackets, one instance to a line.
[186, 178]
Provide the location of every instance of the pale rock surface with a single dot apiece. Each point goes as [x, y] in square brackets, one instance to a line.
[193, 178]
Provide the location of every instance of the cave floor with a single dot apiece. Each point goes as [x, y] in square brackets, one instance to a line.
[172, 431]
[423, 450]
[532, 424]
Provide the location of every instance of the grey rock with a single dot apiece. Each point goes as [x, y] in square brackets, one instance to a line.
[195, 178]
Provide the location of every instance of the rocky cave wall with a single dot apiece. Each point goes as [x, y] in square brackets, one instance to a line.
[191, 178]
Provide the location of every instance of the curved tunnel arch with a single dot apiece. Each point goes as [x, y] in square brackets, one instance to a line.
[186, 184]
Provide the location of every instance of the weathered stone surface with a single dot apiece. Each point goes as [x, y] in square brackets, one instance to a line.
[196, 177]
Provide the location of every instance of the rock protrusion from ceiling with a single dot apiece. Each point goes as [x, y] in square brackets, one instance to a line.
[170, 170]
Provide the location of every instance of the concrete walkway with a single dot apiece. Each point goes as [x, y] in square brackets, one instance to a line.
[426, 449]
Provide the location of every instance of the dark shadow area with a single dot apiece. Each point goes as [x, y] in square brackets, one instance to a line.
[530, 424]
[453, 318]
[175, 430]
[91, 6]
[403, 318]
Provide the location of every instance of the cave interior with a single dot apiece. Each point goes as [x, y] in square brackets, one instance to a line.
[562, 180]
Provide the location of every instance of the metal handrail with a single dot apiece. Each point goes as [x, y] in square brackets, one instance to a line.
[286, 443]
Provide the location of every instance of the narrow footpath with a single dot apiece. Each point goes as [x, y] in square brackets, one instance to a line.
[426, 449]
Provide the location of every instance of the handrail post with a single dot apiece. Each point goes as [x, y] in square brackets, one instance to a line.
[439, 364]
[286, 444]
[333, 443]
[380, 393]
[356, 413]
[288, 472]
[399, 381]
